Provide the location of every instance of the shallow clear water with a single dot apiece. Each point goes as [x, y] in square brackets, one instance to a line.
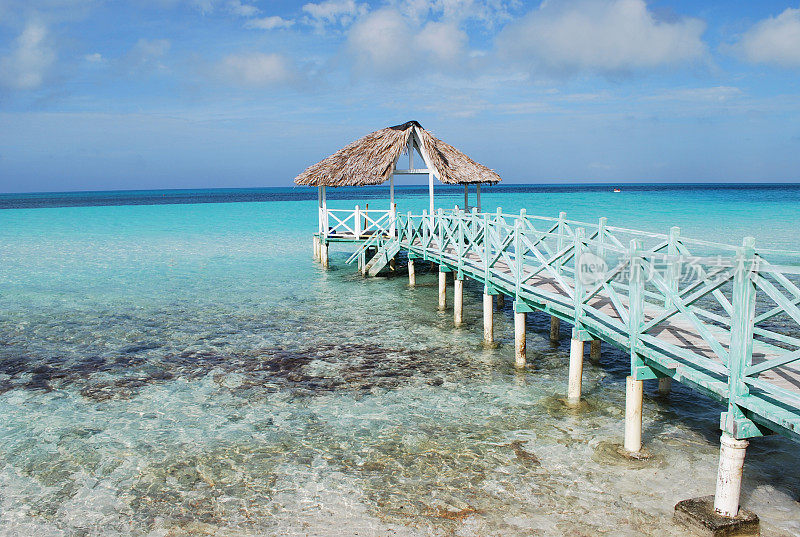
[187, 369]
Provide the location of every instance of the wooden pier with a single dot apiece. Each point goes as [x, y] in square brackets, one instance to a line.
[722, 319]
[715, 317]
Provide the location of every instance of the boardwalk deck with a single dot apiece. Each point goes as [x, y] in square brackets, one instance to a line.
[722, 319]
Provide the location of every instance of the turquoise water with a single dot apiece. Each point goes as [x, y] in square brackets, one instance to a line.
[187, 369]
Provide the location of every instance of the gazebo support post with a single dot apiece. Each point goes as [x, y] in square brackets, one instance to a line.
[478, 194]
[391, 206]
[319, 209]
[317, 255]
[324, 229]
[323, 251]
[430, 196]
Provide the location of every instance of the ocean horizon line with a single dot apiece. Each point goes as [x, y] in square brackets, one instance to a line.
[173, 196]
[734, 184]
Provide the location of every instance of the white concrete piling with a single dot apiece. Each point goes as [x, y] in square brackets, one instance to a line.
[316, 248]
[458, 301]
[634, 393]
[488, 318]
[555, 325]
[729, 476]
[575, 371]
[442, 290]
[412, 276]
[519, 339]
[323, 253]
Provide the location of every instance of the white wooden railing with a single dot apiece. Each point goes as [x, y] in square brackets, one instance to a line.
[356, 223]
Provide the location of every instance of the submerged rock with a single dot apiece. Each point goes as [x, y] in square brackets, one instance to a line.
[526, 457]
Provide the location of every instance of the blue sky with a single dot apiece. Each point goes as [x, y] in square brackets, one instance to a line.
[235, 93]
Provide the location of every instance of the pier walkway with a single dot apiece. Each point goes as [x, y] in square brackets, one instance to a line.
[721, 319]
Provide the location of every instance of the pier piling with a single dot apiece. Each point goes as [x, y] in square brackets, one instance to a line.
[501, 300]
[633, 414]
[720, 515]
[323, 253]
[594, 351]
[458, 301]
[575, 371]
[412, 276]
[664, 385]
[442, 289]
[729, 476]
[488, 318]
[519, 339]
[555, 326]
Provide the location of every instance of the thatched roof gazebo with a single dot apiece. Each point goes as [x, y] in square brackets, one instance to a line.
[372, 160]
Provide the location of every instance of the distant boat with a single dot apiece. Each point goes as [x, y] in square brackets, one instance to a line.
[617, 190]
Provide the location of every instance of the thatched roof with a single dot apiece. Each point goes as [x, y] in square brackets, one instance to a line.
[371, 160]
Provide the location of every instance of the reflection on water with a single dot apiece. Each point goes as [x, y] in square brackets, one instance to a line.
[215, 381]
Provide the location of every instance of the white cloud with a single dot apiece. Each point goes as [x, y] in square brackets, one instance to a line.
[386, 43]
[489, 12]
[444, 42]
[269, 23]
[13, 12]
[334, 12]
[715, 94]
[381, 41]
[243, 10]
[600, 36]
[151, 48]
[775, 40]
[256, 69]
[95, 57]
[146, 55]
[30, 59]
[206, 7]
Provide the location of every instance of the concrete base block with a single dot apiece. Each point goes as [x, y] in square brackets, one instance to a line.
[698, 515]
